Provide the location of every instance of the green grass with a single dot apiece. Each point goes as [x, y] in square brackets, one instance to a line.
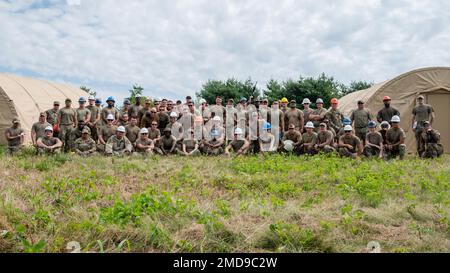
[252, 204]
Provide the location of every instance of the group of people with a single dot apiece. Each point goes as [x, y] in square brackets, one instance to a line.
[164, 127]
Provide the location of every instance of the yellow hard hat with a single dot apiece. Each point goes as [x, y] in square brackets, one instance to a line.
[284, 100]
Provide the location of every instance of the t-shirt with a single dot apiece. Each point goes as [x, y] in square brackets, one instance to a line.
[132, 133]
[12, 133]
[351, 140]
[324, 136]
[146, 142]
[422, 112]
[52, 116]
[237, 144]
[306, 113]
[293, 117]
[387, 113]
[67, 116]
[95, 111]
[394, 135]
[49, 141]
[134, 110]
[153, 134]
[374, 138]
[82, 113]
[167, 142]
[361, 118]
[309, 138]
[39, 128]
[190, 145]
[295, 136]
[107, 132]
[106, 111]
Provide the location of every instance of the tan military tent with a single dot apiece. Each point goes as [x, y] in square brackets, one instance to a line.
[25, 98]
[433, 83]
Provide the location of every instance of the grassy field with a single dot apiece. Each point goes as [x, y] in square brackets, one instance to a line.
[252, 204]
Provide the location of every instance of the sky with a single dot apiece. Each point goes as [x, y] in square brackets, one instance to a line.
[173, 47]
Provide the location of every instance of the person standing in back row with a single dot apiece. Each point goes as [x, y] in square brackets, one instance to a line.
[387, 112]
[420, 114]
[360, 119]
[67, 120]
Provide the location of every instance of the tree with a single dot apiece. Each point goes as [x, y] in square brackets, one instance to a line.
[356, 86]
[89, 91]
[136, 90]
[230, 89]
[323, 87]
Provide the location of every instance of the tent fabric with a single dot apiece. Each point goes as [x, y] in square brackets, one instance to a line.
[403, 90]
[25, 98]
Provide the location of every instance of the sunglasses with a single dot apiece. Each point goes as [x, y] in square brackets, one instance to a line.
[154, 124]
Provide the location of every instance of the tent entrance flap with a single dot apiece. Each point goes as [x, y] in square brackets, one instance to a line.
[440, 102]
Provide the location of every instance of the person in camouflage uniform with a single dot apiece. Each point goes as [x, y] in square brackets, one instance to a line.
[294, 116]
[167, 144]
[15, 137]
[118, 144]
[374, 142]
[385, 126]
[52, 117]
[94, 108]
[189, 146]
[38, 128]
[144, 145]
[238, 145]
[214, 145]
[307, 112]
[318, 115]
[132, 131]
[83, 113]
[324, 140]
[110, 110]
[49, 144]
[135, 108]
[73, 135]
[293, 135]
[85, 146]
[420, 114]
[67, 119]
[334, 116]
[105, 133]
[395, 140]
[431, 138]
[349, 144]
[387, 112]
[360, 119]
[309, 140]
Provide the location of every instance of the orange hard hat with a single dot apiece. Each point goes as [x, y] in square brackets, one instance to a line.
[334, 100]
[386, 98]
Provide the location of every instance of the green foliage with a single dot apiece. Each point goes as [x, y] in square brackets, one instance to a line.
[356, 86]
[136, 90]
[89, 91]
[29, 247]
[323, 87]
[282, 237]
[230, 89]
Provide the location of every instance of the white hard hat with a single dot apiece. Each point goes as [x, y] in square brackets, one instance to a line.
[238, 131]
[143, 131]
[319, 101]
[202, 101]
[121, 129]
[110, 117]
[216, 118]
[91, 98]
[309, 124]
[49, 128]
[306, 101]
[288, 145]
[173, 115]
[395, 119]
[348, 128]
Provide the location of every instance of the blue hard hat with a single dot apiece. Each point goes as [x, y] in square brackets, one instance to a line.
[267, 126]
[98, 101]
[82, 99]
[347, 121]
[111, 99]
[243, 99]
[372, 124]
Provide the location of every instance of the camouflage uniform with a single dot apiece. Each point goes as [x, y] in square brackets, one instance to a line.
[335, 118]
[119, 147]
[15, 145]
[323, 137]
[85, 147]
[106, 132]
[431, 140]
[421, 113]
[71, 137]
[308, 138]
[39, 129]
[95, 112]
[67, 116]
